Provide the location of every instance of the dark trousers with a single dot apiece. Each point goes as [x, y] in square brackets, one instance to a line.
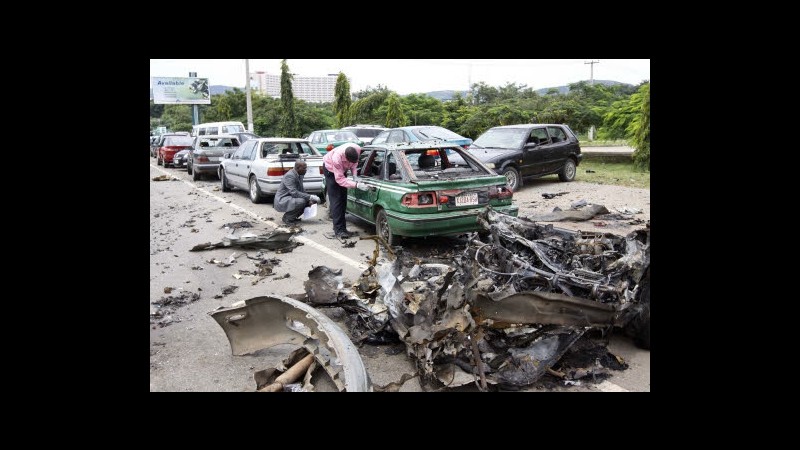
[337, 197]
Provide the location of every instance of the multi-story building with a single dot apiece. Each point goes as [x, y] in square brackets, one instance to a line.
[310, 89]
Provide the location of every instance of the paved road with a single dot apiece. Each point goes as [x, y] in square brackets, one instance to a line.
[192, 353]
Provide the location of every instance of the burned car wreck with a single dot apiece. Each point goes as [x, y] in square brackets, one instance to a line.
[519, 302]
[512, 306]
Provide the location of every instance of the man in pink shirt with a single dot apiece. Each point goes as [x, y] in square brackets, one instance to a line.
[335, 163]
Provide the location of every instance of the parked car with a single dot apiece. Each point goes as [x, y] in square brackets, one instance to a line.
[207, 152]
[366, 132]
[529, 150]
[171, 146]
[258, 166]
[245, 136]
[421, 133]
[325, 140]
[425, 189]
[180, 158]
[159, 141]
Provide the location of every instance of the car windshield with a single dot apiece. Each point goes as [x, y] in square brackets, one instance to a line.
[436, 133]
[508, 138]
[341, 136]
[368, 132]
[175, 141]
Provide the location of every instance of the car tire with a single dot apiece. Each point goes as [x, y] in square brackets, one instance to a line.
[255, 191]
[188, 168]
[224, 181]
[384, 230]
[512, 177]
[568, 171]
[195, 175]
[159, 161]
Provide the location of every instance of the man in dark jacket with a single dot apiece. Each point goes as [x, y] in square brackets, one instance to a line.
[291, 197]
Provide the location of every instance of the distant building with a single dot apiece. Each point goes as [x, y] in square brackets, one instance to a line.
[310, 89]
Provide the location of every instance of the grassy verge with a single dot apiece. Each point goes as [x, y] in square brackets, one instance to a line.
[613, 143]
[614, 173]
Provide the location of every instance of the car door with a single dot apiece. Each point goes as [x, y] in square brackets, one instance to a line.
[234, 168]
[534, 160]
[556, 149]
[370, 170]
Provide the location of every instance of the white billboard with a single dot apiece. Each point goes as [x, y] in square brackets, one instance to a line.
[181, 91]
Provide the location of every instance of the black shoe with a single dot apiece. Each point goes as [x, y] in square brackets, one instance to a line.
[346, 234]
[291, 221]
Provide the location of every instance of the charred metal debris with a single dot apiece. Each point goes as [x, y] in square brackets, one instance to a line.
[525, 301]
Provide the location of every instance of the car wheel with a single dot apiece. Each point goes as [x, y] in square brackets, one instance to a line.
[224, 181]
[512, 177]
[195, 175]
[568, 171]
[255, 191]
[383, 229]
[159, 162]
[188, 168]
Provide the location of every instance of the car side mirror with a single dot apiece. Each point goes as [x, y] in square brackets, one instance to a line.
[530, 145]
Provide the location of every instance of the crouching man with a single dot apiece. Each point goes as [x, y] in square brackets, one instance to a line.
[291, 197]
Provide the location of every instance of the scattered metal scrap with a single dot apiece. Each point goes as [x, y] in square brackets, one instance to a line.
[238, 225]
[227, 290]
[549, 195]
[264, 322]
[571, 214]
[278, 241]
[167, 306]
[165, 178]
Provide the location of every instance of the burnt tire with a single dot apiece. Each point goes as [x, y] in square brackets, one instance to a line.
[255, 191]
[224, 181]
[384, 230]
[512, 177]
[568, 171]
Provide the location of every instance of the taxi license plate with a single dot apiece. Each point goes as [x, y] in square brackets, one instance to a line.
[467, 199]
[214, 158]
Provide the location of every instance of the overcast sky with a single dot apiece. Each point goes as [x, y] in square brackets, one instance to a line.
[406, 76]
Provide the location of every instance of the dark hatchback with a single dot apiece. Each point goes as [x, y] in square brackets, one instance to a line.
[529, 151]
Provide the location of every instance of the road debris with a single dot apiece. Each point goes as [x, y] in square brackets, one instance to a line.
[238, 225]
[227, 290]
[576, 215]
[278, 241]
[165, 178]
[166, 307]
[548, 195]
[264, 322]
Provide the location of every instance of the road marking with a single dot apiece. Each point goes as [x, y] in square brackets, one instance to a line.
[303, 239]
[607, 386]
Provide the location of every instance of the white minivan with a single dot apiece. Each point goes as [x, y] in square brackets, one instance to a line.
[217, 128]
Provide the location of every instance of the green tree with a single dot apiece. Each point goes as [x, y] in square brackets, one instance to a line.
[394, 112]
[177, 117]
[422, 109]
[341, 101]
[639, 129]
[288, 126]
[368, 109]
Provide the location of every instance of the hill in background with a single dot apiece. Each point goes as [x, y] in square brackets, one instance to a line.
[440, 95]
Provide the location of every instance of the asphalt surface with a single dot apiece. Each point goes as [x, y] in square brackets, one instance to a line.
[189, 351]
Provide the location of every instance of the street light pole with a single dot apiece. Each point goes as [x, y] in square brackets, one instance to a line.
[247, 96]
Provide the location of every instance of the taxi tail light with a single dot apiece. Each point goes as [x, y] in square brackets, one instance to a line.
[321, 172]
[202, 158]
[419, 199]
[500, 192]
[277, 171]
[329, 147]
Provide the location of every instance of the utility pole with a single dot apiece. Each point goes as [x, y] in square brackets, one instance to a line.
[591, 83]
[591, 71]
[195, 108]
[247, 96]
